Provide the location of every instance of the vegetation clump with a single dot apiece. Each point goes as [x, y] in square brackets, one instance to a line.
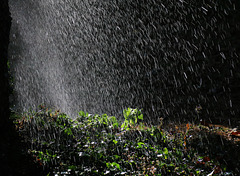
[103, 145]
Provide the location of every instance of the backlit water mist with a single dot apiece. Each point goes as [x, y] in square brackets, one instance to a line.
[167, 57]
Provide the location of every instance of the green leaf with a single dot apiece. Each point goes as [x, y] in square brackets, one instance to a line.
[140, 144]
[81, 114]
[165, 151]
[123, 125]
[115, 125]
[68, 131]
[128, 112]
[115, 142]
[108, 164]
[116, 165]
[140, 117]
[171, 165]
[113, 164]
[117, 156]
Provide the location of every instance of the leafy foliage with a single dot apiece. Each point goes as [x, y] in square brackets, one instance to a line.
[101, 145]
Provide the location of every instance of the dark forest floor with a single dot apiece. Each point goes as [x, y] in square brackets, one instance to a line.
[14, 160]
[205, 148]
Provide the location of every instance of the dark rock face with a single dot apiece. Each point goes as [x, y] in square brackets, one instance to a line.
[5, 126]
[99, 56]
[10, 163]
[5, 22]
[13, 160]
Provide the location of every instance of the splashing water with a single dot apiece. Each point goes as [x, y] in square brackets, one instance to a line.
[167, 57]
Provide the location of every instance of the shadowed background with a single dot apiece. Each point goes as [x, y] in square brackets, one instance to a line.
[167, 57]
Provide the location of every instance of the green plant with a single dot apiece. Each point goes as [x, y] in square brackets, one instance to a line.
[131, 117]
[96, 145]
[97, 120]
